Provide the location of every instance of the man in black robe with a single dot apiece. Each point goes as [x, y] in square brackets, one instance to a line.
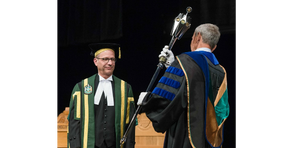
[190, 101]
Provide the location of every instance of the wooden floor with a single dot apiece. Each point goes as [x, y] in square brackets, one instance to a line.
[145, 136]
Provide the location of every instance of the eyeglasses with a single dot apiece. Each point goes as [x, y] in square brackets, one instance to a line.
[107, 59]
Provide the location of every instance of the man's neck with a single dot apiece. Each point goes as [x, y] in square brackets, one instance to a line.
[203, 45]
[104, 76]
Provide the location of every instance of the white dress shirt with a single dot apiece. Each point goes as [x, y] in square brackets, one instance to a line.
[203, 49]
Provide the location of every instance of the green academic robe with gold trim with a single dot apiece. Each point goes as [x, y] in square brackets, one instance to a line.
[81, 129]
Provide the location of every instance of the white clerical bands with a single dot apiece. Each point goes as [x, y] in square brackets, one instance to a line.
[106, 87]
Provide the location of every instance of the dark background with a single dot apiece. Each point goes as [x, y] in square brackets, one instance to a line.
[142, 28]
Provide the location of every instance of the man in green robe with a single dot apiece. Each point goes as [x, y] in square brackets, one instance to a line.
[101, 105]
[190, 101]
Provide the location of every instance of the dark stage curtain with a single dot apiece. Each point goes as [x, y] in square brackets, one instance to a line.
[81, 21]
[219, 12]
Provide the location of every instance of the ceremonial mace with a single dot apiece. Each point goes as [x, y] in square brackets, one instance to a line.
[181, 24]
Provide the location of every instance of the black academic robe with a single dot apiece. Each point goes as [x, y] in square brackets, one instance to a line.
[180, 104]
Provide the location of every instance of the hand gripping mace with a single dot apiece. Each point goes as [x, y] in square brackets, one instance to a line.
[181, 24]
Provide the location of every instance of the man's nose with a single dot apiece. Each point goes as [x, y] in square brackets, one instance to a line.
[109, 62]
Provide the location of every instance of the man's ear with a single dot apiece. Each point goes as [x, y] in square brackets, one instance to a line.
[199, 37]
[95, 61]
[214, 48]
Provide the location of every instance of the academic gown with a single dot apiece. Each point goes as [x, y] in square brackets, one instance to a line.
[81, 128]
[190, 102]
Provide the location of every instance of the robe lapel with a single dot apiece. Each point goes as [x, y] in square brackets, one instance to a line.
[88, 126]
[119, 92]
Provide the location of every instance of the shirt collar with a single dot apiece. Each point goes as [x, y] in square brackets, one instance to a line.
[203, 49]
[108, 79]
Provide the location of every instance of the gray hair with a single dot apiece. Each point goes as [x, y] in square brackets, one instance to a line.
[210, 34]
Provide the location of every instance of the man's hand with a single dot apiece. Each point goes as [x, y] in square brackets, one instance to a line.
[168, 54]
[143, 98]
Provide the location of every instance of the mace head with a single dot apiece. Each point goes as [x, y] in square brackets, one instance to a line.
[189, 9]
[181, 24]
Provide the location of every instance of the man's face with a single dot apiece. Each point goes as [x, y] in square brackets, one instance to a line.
[105, 68]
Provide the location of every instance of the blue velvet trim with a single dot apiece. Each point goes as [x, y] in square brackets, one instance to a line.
[209, 55]
[163, 93]
[169, 82]
[175, 71]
